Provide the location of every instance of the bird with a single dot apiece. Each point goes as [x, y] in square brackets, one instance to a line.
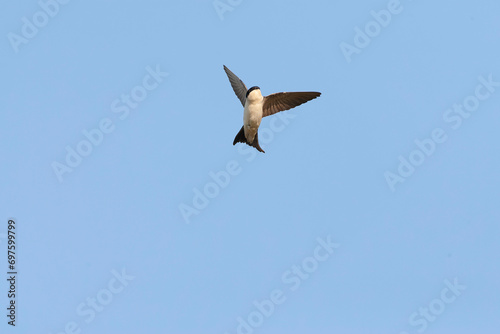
[257, 106]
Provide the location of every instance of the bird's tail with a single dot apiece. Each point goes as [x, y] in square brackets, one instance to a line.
[240, 138]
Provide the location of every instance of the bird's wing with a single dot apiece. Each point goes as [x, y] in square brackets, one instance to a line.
[238, 86]
[283, 101]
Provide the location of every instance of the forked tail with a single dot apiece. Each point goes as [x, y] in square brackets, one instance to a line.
[240, 138]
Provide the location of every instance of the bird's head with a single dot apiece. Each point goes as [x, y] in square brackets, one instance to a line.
[252, 89]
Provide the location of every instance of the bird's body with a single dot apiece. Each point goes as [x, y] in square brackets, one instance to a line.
[252, 114]
[257, 106]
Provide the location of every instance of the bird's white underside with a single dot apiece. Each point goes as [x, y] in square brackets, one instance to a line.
[252, 114]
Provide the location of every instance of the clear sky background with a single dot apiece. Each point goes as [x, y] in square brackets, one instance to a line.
[418, 253]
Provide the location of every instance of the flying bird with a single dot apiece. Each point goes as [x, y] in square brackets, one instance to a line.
[257, 106]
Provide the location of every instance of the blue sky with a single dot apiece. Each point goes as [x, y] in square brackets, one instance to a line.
[373, 210]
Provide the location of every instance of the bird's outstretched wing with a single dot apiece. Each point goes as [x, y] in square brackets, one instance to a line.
[238, 86]
[283, 101]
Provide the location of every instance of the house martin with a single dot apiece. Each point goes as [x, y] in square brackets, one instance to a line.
[257, 106]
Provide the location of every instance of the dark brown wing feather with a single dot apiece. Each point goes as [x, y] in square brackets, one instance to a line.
[238, 86]
[283, 101]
